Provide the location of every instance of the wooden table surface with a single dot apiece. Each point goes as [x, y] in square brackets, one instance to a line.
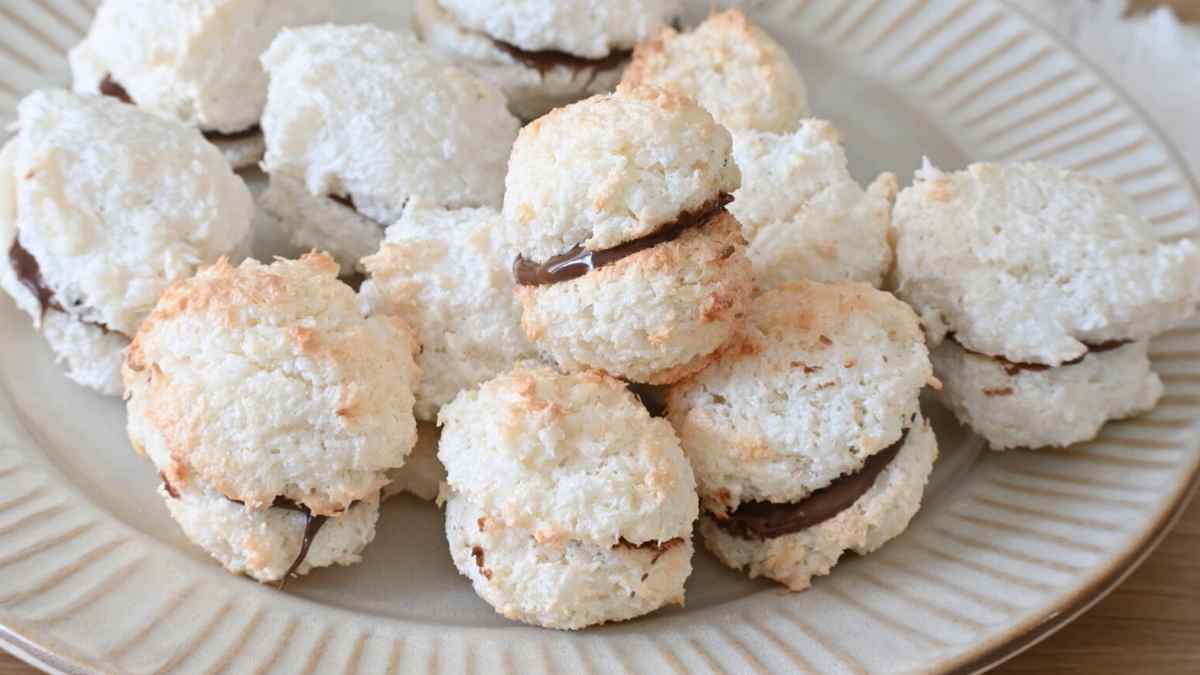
[1150, 624]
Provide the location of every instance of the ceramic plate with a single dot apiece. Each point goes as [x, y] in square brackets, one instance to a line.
[95, 577]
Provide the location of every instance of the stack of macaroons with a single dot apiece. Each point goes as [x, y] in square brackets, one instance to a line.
[628, 262]
[102, 206]
[808, 441]
[1040, 289]
[194, 61]
[273, 411]
[803, 214]
[543, 53]
[568, 504]
[359, 121]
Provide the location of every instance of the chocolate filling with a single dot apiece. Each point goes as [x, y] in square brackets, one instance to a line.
[579, 261]
[109, 87]
[660, 548]
[1014, 368]
[767, 520]
[312, 525]
[220, 136]
[112, 88]
[29, 273]
[546, 60]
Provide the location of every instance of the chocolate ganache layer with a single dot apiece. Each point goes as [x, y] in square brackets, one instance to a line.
[112, 88]
[312, 524]
[767, 520]
[579, 261]
[546, 60]
[1016, 367]
[29, 273]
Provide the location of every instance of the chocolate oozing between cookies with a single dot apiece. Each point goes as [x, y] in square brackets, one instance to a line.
[312, 525]
[111, 88]
[545, 60]
[579, 261]
[767, 520]
[1013, 368]
[29, 273]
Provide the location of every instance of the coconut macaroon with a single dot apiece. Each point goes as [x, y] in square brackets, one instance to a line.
[733, 69]
[804, 215]
[569, 505]
[808, 441]
[102, 206]
[271, 409]
[1031, 405]
[543, 53]
[195, 62]
[448, 274]
[1038, 272]
[359, 121]
[629, 262]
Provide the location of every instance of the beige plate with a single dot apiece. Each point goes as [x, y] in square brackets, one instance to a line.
[95, 577]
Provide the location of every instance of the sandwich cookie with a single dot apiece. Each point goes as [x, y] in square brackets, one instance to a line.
[628, 261]
[273, 411]
[359, 121]
[194, 62]
[568, 506]
[808, 441]
[803, 214]
[102, 206]
[1039, 288]
[543, 53]
[447, 273]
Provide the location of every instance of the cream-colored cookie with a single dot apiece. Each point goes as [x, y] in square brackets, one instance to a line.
[1012, 405]
[612, 169]
[634, 186]
[804, 215]
[422, 475]
[1034, 263]
[542, 53]
[374, 119]
[102, 206]
[265, 544]
[879, 515]
[568, 504]
[266, 381]
[732, 68]
[194, 61]
[828, 375]
[656, 316]
[565, 584]
[568, 456]
[448, 273]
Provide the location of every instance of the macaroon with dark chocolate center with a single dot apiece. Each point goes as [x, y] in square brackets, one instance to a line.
[189, 62]
[86, 273]
[543, 57]
[360, 122]
[634, 269]
[1040, 288]
[591, 518]
[807, 440]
